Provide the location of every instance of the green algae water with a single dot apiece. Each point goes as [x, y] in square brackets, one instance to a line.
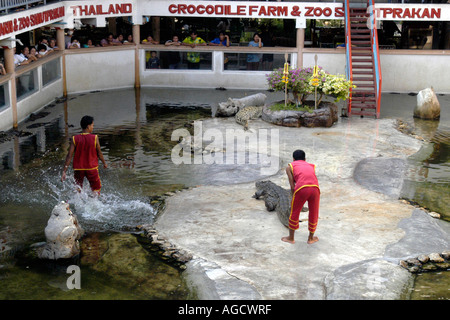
[427, 181]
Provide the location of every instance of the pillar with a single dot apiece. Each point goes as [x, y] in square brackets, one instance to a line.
[300, 46]
[10, 68]
[60, 42]
[136, 39]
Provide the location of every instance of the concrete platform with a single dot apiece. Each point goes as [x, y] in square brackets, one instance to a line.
[236, 242]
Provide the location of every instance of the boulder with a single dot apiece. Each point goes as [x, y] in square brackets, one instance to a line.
[62, 233]
[427, 106]
[324, 116]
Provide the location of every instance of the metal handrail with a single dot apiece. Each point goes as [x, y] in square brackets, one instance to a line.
[376, 54]
[348, 48]
[11, 4]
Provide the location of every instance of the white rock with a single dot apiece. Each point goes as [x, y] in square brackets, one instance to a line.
[428, 106]
[62, 233]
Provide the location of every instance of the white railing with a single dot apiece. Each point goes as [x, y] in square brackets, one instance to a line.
[11, 4]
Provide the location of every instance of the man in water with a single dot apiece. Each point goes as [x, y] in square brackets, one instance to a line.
[85, 150]
[304, 187]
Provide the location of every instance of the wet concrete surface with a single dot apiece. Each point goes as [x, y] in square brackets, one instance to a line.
[225, 226]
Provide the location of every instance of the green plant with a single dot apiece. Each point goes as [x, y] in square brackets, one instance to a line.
[300, 84]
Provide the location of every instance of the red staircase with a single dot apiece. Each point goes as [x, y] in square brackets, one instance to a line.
[363, 63]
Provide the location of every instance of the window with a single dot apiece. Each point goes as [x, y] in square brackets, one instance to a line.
[51, 71]
[4, 96]
[253, 61]
[26, 84]
[180, 60]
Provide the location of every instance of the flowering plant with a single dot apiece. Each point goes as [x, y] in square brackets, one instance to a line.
[301, 84]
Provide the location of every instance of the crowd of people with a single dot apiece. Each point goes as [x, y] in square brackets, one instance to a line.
[27, 54]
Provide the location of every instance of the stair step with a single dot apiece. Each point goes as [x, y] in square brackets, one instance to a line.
[361, 54]
[360, 36]
[366, 99]
[356, 25]
[360, 60]
[361, 67]
[361, 42]
[353, 31]
[365, 85]
[370, 114]
[363, 93]
[366, 73]
[363, 106]
[358, 18]
[362, 78]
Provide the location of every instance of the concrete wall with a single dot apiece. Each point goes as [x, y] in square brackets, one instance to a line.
[412, 73]
[89, 70]
[33, 102]
[214, 78]
[40, 98]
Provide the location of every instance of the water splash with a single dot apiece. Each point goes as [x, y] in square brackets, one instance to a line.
[113, 210]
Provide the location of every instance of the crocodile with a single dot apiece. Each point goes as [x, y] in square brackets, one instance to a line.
[276, 198]
[248, 113]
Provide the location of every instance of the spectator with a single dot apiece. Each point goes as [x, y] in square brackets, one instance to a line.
[253, 59]
[26, 52]
[173, 57]
[34, 53]
[110, 41]
[74, 43]
[89, 44]
[193, 57]
[52, 44]
[149, 40]
[21, 59]
[2, 70]
[153, 62]
[43, 41]
[222, 40]
[129, 40]
[42, 50]
[68, 37]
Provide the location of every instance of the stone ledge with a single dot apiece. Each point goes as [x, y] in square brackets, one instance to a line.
[324, 116]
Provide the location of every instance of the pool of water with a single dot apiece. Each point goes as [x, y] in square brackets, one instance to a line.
[134, 129]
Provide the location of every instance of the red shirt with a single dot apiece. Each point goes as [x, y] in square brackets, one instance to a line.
[304, 174]
[85, 157]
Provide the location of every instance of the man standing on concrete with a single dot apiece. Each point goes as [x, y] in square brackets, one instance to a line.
[304, 187]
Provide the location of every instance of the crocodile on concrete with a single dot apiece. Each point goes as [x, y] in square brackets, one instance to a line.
[275, 198]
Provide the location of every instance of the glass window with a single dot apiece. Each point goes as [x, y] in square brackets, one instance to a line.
[26, 84]
[51, 71]
[178, 60]
[4, 96]
[253, 61]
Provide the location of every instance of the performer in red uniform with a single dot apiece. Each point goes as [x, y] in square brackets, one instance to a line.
[85, 150]
[304, 187]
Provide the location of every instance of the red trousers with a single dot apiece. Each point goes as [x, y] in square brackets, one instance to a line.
[92, 176]
[312, 195]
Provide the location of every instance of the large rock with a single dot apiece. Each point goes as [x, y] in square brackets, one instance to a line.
[428, 106]
[62, 233]
[324, 116]
[232, 106]
[383, 175]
